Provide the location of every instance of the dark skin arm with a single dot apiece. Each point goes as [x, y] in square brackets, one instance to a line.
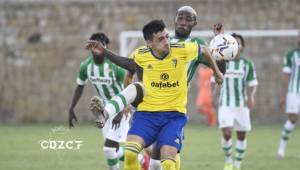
[123, 62]
[76, 96]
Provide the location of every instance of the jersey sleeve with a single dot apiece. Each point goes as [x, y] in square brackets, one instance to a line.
[287, 63]
[192, 50]
[131, 56]
[251, 75]
[82, 77]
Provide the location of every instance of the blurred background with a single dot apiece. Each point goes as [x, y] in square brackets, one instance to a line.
[42, 44]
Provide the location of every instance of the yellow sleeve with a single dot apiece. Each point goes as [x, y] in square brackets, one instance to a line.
[192, 50]
[132, 55]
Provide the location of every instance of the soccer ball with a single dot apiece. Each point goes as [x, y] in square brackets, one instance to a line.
[223, 47]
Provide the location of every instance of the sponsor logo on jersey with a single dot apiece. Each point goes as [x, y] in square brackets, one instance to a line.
[163, 85]
[101, 80]
[234, 74]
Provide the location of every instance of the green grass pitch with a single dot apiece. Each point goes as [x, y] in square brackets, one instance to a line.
[21, 150]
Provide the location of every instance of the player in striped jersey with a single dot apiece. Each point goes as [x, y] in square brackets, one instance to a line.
[236, 98]
[108, 81]
[290, 95]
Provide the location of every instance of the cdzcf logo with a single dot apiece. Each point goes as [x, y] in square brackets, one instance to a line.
[164, 76]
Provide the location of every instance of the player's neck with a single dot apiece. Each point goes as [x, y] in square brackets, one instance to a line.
[158, 55]
[181, 36]
[98, 60]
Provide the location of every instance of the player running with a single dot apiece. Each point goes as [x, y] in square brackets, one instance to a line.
[236, 98]
[162, 69]
[290, 95]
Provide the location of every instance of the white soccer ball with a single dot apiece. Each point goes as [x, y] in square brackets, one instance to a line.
[223, 47]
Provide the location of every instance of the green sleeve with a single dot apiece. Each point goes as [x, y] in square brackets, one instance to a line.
[83, 71]
[251, 72]
[201, 59]
[120, 74]
[287, 60]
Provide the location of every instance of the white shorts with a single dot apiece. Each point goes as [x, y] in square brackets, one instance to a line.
[118, 135]
[236, 117]
[292, 103]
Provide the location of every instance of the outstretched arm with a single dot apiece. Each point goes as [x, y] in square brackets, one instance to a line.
[213, 65]
[123, 62]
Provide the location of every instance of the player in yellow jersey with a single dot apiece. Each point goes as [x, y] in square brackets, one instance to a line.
[160, 117]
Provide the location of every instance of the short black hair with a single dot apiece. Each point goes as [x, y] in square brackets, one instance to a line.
[235, 35]
[100, 37]
[153, 27]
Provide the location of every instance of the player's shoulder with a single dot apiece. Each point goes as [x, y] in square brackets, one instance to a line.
[291, 51]
[142, 50]
[87, 61]
[247, 60]
[199, 41]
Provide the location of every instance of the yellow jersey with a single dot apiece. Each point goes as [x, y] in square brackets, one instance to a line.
[165, 80]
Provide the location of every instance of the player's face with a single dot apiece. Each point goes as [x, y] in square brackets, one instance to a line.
[98, 58]
[160, 43]
[184, 23]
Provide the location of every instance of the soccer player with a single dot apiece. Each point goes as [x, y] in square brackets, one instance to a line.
[290, 95]
[160, 116]
[236, 98]
[108, 81]
[185, 21]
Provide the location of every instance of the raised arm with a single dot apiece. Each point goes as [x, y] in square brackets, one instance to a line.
[212, 63]
[98, 49]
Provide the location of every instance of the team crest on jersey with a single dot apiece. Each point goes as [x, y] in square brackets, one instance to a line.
[149, 66]
[174, 62]
[164, 76]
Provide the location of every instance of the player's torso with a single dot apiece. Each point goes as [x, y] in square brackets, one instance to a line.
[103, 77]
[233, 91]
[294, 81]
[192, 65]
[165, 80]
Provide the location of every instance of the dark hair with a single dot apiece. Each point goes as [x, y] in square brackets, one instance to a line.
[152, 27]
[235, 35]
[100, 37]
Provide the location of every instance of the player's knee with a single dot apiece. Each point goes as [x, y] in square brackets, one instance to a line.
[140, 92]
[130, 156]
[132, 149]
[108, 150]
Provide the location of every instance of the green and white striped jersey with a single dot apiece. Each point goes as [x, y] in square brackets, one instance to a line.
[194, 63]
[239, 74]
[292, 66]
[106, 77]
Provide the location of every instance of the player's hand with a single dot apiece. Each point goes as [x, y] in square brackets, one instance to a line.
[71, 117]
[117, 120]
[218, 29]
[219, 78]
[95, 46]
[127, 111]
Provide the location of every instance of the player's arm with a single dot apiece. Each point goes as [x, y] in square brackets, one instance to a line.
[287, 65]
[123, 62]
[76, 96]
[250, 94]
[285, 83]
[212, 63]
